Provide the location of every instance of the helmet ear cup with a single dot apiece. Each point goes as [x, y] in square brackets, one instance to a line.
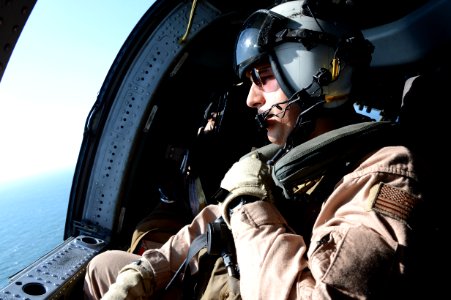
[323, 77]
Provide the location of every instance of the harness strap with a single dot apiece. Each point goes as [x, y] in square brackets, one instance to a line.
[198, 244]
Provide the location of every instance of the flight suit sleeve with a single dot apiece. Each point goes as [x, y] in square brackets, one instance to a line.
[166, 260]
[357, 240]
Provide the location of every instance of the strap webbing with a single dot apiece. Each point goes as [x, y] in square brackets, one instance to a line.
[198, 244]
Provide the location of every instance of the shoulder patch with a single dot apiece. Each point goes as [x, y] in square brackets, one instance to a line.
[392, 202]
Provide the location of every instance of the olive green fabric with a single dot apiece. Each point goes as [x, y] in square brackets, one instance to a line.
[213, 280]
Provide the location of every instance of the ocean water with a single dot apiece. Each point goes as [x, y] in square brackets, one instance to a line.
[32, 219]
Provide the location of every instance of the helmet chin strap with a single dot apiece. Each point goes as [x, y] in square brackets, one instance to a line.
[313, 92]
[310, 99]
[304, 126]
[262, 117]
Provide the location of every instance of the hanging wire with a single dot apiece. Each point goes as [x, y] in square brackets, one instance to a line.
[190, 23]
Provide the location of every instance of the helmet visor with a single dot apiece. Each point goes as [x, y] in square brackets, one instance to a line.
[263, 77]
[253, 40]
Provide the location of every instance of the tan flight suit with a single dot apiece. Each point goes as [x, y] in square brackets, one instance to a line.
[356, 249]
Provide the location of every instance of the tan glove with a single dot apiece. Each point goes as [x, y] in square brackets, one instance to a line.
[133, 282]
[248, 177]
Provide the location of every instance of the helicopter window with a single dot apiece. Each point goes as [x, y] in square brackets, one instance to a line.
[47, 89]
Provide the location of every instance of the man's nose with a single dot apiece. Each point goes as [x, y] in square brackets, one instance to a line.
[255, 98]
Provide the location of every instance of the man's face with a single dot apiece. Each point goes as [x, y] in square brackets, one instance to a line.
[264, 93]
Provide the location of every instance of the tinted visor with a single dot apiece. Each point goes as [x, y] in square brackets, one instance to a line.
[254, 39]
[265, 29]
[264, 78]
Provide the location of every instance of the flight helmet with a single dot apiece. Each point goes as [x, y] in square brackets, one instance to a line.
[310, 57]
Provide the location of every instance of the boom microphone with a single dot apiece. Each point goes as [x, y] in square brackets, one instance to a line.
[322, 78]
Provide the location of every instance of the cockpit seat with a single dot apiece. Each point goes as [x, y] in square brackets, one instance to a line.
[422, 119]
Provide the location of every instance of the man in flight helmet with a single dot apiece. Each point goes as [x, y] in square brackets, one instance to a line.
[352, 191]
[311, 61]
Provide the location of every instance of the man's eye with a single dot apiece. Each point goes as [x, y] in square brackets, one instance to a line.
[265, 78]
[266, 74]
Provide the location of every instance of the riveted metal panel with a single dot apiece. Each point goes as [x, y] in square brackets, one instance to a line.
[13, 16]
[54, 274]
[133, 97]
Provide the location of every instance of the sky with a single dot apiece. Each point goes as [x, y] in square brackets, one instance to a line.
[52, 80]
